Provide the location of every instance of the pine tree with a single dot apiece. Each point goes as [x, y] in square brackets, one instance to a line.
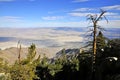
[27, 68]
[101, 41]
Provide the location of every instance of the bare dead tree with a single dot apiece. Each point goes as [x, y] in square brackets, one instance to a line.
[19, 50]
[94, 19]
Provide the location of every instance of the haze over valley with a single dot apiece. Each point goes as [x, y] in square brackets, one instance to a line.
[61, 37]
[42, 37]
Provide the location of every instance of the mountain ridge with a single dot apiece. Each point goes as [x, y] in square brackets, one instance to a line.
[11, 54]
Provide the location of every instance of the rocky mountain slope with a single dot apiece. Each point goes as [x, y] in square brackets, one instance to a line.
[11, 54]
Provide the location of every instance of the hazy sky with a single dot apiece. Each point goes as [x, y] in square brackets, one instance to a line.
[56, 13]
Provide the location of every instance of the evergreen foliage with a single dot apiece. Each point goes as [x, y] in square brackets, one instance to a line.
[25, 70]
[67, 67]
[101, 41]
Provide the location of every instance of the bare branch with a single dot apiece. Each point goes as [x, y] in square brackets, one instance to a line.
[105, 18]
[89, 26]
[100, 16]
[100, 28]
